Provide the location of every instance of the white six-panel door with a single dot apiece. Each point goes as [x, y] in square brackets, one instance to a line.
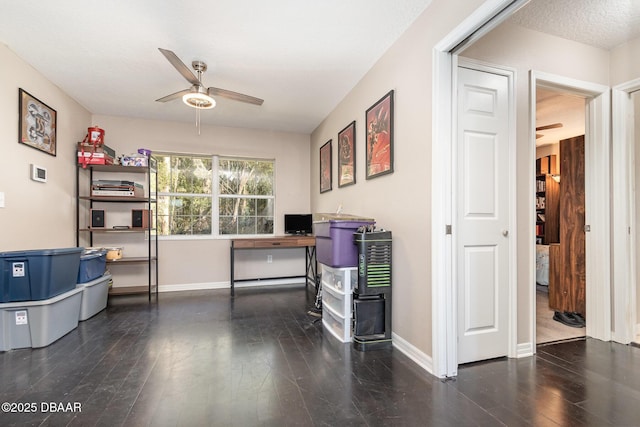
[481, 229]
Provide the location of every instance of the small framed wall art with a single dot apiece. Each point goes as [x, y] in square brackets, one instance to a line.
[347, 155]
[325, 167]
[379, 122]
[36, 123]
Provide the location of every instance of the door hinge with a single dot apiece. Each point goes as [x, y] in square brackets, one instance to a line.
[587, 228]
[447, 229]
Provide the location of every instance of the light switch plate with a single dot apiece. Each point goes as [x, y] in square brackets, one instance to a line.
[1, 199]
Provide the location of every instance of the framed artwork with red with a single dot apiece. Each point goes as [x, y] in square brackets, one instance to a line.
[379, 144]
[347, 155]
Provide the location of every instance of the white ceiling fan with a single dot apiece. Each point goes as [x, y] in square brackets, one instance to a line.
[198, 96]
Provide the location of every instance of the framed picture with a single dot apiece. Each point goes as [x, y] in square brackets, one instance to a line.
[37, 123]
[325, 167]
[379, 122]
[347, 155]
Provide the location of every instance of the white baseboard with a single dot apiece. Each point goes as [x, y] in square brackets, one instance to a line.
[524, 350]
[193, 286]
[423, 360]
[270, 282]
[225, 285]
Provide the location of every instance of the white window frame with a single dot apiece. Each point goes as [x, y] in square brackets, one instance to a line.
[216, 196]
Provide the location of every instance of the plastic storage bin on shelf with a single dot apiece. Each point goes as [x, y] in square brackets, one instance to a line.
[339, 303]
[334, 238]
[337, 294]
[338, 326]
[38, 323]
[93, 264]
[94, 296]
[342, 280]
[38, 274]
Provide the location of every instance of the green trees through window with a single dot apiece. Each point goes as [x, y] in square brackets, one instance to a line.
[200, 195]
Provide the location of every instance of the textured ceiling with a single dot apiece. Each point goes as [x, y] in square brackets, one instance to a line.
[301, 56]
[601, 23]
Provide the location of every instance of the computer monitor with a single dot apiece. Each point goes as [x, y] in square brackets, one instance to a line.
[298, 224]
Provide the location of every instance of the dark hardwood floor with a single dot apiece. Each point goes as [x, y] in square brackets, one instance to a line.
[202, 358]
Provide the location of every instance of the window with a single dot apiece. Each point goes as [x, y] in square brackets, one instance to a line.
[245, 196]
[211, 195]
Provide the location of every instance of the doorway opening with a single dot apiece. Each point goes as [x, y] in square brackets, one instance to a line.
[560, 297]
[590, 234]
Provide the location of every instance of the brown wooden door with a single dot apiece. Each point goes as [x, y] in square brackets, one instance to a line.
[567, 286]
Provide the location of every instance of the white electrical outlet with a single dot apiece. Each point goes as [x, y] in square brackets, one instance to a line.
[1, 199]
[269, 259]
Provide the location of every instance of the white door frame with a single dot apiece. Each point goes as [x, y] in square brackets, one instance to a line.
[444, 312]
[597, 204]
[624, 213]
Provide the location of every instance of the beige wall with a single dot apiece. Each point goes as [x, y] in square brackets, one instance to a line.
[526, 50]
[206, 262]
[400, 202]
[625, 62]
[36, 215]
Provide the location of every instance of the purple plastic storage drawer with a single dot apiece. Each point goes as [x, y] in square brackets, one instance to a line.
[334, 242]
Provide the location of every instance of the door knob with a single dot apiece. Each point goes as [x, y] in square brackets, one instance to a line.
[505, 233]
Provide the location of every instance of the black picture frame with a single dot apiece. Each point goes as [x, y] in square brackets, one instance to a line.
[326, 170]
[379, 144]
[347, 155]
[37, 123]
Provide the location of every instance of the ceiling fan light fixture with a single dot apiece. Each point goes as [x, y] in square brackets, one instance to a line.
[199, 100]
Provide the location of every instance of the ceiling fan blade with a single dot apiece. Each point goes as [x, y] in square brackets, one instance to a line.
[551, 126]
[539, 135]
[179, 65]
[214, 91]
[173, 96]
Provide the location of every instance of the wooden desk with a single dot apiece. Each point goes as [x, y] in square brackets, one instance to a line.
[281, 242]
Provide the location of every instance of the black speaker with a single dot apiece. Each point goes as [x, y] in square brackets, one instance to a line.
[140, 218]
[97, 218]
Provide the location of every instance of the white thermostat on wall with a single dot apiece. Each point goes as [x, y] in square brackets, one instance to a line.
[38, 173]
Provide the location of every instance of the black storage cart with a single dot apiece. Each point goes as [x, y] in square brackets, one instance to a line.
[372, 297]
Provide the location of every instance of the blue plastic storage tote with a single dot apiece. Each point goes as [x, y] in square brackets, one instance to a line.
[93, 264]
[38, 274]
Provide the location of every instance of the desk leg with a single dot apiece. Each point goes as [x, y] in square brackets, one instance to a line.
[307, 263]
[233, 293]
[310, 264]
